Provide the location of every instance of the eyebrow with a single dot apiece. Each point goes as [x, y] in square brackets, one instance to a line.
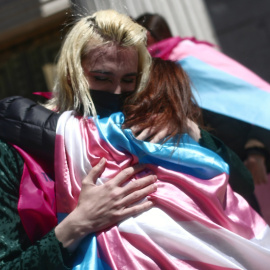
[111, 73]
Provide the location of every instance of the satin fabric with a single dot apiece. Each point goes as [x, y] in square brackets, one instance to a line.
[198, 222]
[36, 206]
[219, 83]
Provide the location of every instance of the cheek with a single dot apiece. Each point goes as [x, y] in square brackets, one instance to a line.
[130, 87]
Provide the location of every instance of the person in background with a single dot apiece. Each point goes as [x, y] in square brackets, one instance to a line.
[181, 107]
[157, 27]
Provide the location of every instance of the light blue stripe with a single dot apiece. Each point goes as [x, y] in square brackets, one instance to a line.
[86, 257]
[189, 157]
[220, 92]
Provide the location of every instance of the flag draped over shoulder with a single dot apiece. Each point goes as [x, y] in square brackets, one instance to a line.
[197, 222]
[220, 84]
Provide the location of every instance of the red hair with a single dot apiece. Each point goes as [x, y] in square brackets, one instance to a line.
[167, 99]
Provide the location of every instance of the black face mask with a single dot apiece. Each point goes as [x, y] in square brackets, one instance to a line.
[107, 103]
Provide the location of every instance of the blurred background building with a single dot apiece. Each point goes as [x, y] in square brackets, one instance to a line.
[31, 32]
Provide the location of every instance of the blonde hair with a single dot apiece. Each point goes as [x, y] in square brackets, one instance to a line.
[71, 89]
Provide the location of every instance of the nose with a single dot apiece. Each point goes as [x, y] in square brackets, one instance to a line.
[117, 89]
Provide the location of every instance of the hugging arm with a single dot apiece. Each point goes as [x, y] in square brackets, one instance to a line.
[98, 208]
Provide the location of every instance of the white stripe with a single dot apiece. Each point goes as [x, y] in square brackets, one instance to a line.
[190, 240]
[75, 146]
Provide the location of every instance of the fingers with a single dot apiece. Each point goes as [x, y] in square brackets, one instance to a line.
[135, 129]
[145, 134]
[126, 174]
[140, 184]
[160, 135]
[152, 134]
[138, 191]
[95, 172]
[136, 209]
[193, 130]
[132, 204]
[122, 197]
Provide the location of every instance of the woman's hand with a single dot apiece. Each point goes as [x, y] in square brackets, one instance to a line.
[102, 206]
[153, 134]
[156, 135]
[193, 130]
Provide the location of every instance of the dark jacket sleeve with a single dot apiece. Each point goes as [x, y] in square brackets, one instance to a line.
[28, 125]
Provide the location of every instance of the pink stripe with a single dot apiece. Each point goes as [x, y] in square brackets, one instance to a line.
[163, 48]
[140, 252]
[36, 206]
[137, 252]
[179, 196]
[47, 95]
[67, 189]
[98, 148]
[218, 60]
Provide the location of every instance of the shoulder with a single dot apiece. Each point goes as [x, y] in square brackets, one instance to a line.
[29, 125]
[25, 110]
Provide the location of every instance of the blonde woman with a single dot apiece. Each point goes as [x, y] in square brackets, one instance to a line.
[103, 58]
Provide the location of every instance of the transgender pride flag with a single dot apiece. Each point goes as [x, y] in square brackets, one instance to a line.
[198, 222]
[219, 83]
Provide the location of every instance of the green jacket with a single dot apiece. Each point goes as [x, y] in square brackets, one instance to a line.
[16, 250]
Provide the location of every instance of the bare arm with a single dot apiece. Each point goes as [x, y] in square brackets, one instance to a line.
[100, 207]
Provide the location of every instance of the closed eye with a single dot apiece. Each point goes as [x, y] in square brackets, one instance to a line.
[102, 78]
[129, 80]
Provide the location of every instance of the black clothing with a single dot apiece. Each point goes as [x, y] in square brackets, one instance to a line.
[28, 125]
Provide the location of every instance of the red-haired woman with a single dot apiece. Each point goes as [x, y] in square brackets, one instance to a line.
[168, 99]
